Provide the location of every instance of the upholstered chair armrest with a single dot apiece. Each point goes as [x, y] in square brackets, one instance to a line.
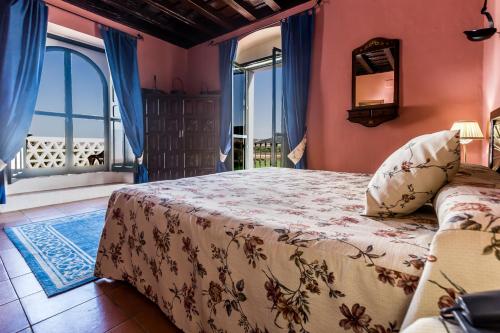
[465, 252]
[432, 324]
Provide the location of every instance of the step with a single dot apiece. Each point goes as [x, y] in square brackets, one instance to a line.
[58, 196]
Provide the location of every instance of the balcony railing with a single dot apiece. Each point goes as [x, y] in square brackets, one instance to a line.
[262, 153]
[50, 152]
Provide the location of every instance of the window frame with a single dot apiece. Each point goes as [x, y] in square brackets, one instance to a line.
[110, 117]
[115, 117]
[249, 69]
[245, 120]
[69, 116]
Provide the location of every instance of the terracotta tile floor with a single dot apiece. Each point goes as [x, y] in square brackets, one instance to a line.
[100, 306]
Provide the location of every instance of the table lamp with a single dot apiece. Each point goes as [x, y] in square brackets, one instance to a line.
[469, 130]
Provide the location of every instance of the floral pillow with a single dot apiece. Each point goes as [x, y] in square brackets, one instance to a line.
[413, 174]
[471, 202]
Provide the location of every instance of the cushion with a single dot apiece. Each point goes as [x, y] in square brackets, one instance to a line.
[471, 201]
[413, 174]
[432, 324]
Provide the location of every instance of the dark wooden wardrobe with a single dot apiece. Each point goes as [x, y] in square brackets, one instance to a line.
[181, 134]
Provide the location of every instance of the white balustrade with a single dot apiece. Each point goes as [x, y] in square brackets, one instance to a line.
[50, 152]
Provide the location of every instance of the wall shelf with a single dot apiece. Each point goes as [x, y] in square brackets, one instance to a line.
[374, 115]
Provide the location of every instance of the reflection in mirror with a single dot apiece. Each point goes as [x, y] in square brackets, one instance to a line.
[374, 72]
[495, 145]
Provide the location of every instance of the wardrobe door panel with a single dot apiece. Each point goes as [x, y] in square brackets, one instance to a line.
[181, 135]
[151, 130]
[172, 141]
[164, 151]
[201, 135]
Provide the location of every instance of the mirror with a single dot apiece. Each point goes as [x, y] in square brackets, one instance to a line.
[375, 81]
[495, 144]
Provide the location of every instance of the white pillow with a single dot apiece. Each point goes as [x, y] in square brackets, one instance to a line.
[413, 174]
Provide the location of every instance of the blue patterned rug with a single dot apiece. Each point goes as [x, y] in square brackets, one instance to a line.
[61, 252]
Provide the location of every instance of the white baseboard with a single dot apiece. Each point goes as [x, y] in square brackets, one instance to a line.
[58, 196]
[57, 182]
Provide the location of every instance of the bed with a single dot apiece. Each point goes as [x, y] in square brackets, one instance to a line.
[266, 250]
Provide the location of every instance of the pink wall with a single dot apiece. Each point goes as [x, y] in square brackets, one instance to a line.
[156, 57]
[491, 75]
[375, 87]
[203, 68]
[431, 41]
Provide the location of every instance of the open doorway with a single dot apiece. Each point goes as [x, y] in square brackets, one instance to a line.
[258, 139]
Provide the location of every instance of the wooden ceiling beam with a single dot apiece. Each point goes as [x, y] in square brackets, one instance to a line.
[117, 16]
[273, 5]
[240, 9]
[362, 61]
[167, 11]
[144, 18]
[173, 22]
[390, 57]
[209, 12]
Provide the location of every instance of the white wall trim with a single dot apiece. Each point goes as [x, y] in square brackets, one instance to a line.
[74, 35]
[58, 182]
[47, 198]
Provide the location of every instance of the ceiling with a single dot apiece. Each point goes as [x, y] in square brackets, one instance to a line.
[378, 61]
[258, 44]
[185, 23]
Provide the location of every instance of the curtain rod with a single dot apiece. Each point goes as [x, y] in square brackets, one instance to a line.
[138, 36]
[214, 43]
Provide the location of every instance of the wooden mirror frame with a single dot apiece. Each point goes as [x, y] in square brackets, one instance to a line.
[494, 120]
[374, 115]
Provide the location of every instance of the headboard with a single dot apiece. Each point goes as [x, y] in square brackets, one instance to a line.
[494, 154]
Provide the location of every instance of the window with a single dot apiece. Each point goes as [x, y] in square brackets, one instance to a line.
[239, 120]
[258, 139]
[76, 126]
[69, 127]
[267, 126]
[122, 156]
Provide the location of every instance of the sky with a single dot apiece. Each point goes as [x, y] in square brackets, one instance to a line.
[263, 102]
[87, 98]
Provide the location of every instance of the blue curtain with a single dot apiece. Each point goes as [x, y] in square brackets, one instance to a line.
[227, 53]
[121, 51]
[297, 39]
[23, 30]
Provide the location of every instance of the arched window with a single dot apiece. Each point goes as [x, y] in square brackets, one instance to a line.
[69, 131]
[76, 126]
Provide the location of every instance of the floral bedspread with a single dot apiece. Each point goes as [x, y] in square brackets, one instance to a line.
[266, 250]
[466, 249]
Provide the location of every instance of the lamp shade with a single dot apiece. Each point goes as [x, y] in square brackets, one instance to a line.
[469, 130]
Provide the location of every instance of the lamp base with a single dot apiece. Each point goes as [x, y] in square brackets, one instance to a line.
[464, 149]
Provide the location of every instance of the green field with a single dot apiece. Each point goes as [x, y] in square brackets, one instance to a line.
[264, 163]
